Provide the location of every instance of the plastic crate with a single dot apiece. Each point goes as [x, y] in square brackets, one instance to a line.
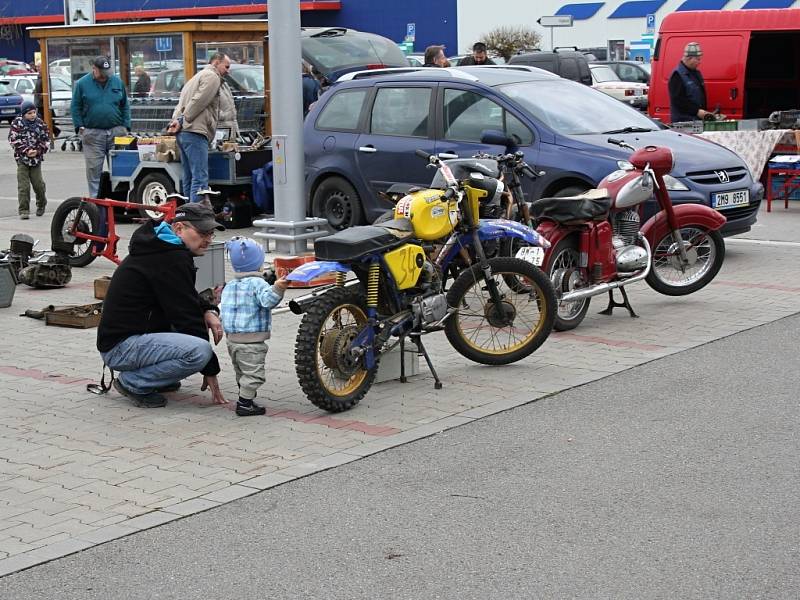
[728, 125]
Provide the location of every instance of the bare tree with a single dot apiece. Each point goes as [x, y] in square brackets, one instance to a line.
[507, 40]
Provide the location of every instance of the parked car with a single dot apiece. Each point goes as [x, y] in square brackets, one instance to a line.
[334, 51]
[416, 59]
[569, 64]
[60, 91]
[607, 81]
[14, 67]
[242, 79]
[596, 52]
[629, 70]
[10, 103]
[361, 135]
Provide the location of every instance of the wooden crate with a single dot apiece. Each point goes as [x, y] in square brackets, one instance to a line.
[101, 287]
[80, 317]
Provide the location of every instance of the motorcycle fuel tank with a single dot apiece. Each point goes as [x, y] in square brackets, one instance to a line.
[431, 216]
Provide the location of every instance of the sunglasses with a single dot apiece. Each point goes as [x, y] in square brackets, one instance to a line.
[205, 234]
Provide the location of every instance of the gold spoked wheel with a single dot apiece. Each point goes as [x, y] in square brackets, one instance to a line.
[510, 330]
[333, 377]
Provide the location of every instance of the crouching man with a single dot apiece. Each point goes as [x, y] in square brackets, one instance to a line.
[154, 327]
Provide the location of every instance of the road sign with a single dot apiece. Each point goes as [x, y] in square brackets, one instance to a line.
[163, 44]
[411, 32]
[555, 21]
[651, 23]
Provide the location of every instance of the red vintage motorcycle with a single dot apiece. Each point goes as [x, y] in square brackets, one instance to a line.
[598, 243]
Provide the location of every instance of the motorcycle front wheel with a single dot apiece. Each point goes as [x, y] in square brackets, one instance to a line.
[706, 252]
[503, 333]
[331, 377]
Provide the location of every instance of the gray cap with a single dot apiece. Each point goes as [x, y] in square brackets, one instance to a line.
[692, 49]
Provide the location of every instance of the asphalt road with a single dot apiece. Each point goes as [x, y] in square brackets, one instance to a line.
[676, 479]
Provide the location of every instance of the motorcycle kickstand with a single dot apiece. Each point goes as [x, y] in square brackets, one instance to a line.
[417, 339]
[612, 304]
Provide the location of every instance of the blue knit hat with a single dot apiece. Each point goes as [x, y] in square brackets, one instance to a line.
[26, 106]
[246, 255]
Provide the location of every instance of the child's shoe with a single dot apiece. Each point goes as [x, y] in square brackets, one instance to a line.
[248, 408]
[39, 211]
[24, 216]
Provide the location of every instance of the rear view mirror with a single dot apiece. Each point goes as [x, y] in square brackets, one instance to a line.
[497, 138]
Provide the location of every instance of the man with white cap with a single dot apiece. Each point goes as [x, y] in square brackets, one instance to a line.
[100, 112]
[687, 89]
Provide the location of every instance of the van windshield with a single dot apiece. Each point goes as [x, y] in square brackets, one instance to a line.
[570, 108]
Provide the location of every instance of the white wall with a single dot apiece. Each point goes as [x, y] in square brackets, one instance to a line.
[476, 17]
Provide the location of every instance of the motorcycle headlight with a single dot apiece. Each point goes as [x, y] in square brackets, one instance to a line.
[624, 165]
[675, 185]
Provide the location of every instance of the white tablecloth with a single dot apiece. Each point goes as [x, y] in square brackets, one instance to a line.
[754, 147]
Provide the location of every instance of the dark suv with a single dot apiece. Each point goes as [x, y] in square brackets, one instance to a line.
[361, 135]
[569, 64]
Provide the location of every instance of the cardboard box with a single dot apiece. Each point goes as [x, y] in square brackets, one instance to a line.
[101, 287]
[286, 264]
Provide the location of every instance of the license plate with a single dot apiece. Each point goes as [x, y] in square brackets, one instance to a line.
[637, 92]
[723, 200]
[531, 254]
[7, 111]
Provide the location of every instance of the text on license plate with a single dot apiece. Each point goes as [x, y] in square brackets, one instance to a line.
[531, 254]
[7, 111]
[723, 200]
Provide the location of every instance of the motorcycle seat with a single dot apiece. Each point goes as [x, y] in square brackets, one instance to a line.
[592, 205]
[356, 242]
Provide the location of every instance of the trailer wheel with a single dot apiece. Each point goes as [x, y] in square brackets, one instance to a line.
[153, 190]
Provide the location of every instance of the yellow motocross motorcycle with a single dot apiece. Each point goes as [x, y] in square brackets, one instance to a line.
[398, 291]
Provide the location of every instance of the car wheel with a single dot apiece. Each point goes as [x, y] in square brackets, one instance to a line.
[338, 201]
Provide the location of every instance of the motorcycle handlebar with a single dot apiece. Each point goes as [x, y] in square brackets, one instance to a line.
[422, 154]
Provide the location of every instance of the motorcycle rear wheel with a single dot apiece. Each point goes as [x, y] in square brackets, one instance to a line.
[485, 335]
[332, 379]
[706, 251]
[564, 258]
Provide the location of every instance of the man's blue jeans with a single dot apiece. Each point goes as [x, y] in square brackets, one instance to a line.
[155, 360]
[96, 145]
[194, 156]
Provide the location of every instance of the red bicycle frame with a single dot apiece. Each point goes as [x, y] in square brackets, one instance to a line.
[110, 239]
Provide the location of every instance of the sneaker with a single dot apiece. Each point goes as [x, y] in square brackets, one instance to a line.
[172, 387]
[24, 216]
[151, 400]
[40, 211]
[249, 410]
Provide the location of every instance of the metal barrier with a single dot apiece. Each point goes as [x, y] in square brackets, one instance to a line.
[150, 116]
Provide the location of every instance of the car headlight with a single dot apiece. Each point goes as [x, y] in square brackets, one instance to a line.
[675, 185]
[624, 165]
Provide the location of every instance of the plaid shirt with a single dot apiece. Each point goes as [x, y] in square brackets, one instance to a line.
[247, 305]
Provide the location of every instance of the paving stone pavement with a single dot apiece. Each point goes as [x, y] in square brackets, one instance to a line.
[77, 469]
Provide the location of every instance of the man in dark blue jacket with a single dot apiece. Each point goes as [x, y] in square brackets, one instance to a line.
[687, 90]
[100, 112]
[154, 327]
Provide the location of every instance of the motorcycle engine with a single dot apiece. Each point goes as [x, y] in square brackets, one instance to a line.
[429, 309]
[626, 227]
[630, 256]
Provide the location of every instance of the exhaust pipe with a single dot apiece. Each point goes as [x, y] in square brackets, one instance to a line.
[299, 305]
[601, 288]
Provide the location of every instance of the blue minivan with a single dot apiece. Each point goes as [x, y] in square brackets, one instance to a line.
[360, 139]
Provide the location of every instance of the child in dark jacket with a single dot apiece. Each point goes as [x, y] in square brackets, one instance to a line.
[30, 139]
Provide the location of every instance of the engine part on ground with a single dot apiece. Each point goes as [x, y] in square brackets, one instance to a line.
[19, 254]
[22, 243]
[48, 270]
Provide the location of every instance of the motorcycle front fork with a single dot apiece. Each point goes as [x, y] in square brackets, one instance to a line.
[676, 235]
[491, 284]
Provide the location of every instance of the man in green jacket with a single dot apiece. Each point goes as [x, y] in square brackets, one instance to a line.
[195, 121]
[100, 112]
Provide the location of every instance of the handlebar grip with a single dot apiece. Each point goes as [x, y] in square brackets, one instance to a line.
[422, 154]
[526, 169]
[449, 193]
[614, 141]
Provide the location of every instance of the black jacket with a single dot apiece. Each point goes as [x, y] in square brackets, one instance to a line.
[469, 61]
[153, 291]
[687, 93]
